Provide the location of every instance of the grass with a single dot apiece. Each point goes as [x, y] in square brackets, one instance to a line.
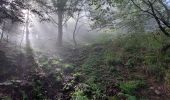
[121, 67]
[131, 87]
[118, 60]
[79, 95]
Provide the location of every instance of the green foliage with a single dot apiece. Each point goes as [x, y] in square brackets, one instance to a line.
[105, 72]
[68, 68]
[121, 96]
[131, 97]
[78, 77]
[96, 90]
[92, 63]
[132, 43]
[6, 98]
[130, 52]
[79, 95]
[151, 59]
[24, 95]
[155, 64]
[38, 92]
[157, 71]
[111, 58]
[55, 62]
[131, 62]
[131, 87]
[104, 38]
[137, 53]
[167, 78]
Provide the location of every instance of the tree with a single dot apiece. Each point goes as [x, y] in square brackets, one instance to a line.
[155, 9]
[77, 19]
[12, 12]
[133, 14]
[117, 14]
[64, 10]
[159, 10]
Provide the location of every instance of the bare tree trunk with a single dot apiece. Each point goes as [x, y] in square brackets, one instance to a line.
[60, 28]
[27, 27]
[75, 28]
[74, 34]
[3, 28]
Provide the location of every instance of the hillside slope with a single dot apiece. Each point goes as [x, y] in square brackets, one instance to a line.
[120, 68]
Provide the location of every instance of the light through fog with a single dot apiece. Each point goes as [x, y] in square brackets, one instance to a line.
[43, 35]
[107, 50]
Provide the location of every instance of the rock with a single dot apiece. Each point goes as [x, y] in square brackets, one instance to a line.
[151, 88]
[6, 83]
[157, 92]
[159, 88]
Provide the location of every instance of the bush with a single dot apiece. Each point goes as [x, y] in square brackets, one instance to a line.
[131, 87]
[157, 71]
[79, 95]
[167, 78]
[68, 68]
[111, 58]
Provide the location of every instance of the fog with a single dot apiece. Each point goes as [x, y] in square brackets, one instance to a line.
[43, 34]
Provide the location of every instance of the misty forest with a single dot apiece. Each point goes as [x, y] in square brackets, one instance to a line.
[84, 49]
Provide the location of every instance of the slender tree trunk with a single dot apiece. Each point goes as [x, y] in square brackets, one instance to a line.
[75, 29]
[3, 28]
[74, 35]
[60, 28]
[27, 26]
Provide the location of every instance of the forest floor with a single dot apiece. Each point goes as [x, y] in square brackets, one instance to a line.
[101, 71]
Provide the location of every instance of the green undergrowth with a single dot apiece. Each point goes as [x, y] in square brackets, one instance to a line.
[123, 64]
[114, 67]
[131, 87]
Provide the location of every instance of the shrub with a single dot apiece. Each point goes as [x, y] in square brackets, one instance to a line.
[130, 87]
[167, 78]
[68, 68]
[111, 58]
[79, 95]
[157, 71]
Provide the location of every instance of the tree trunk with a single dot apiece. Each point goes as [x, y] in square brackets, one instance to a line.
[60, 28]
[27, 26]
[3, 29]
[75, 29]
